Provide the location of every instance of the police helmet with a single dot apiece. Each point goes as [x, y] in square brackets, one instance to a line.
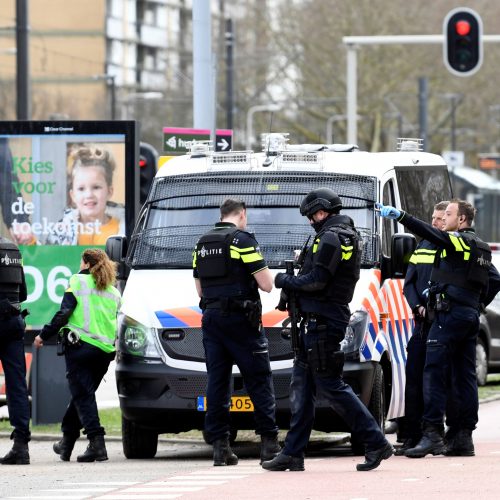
[320, 199]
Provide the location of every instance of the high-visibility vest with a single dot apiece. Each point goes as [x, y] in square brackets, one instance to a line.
[94, 318]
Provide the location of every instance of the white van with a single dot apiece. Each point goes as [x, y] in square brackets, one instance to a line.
[161, 374]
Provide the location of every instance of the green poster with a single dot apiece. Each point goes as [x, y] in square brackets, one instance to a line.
[47, 270]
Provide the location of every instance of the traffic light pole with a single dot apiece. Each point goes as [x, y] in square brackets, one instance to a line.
[353, 43]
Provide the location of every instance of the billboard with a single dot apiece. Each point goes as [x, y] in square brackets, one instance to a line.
[64, 186]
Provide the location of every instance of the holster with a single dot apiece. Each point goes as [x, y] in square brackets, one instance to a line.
[7, 310]
[253, 312]
[325, 359]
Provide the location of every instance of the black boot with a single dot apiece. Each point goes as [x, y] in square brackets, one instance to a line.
[284, 462]
[461, 445]
[95, 452]
[431, 442]
[269, 448]
[18, 455]
[373, 458]
[65, 446]
[408, 443]
[223, 454]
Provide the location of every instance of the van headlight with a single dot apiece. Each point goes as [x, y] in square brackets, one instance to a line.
[355, 333]
[136, 339]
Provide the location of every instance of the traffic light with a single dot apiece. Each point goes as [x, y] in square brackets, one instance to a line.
[463, 44]
[147, 169]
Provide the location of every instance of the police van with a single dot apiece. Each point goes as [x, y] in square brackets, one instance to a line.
[161, 374]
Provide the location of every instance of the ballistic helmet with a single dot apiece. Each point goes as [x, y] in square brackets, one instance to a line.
[320, 199]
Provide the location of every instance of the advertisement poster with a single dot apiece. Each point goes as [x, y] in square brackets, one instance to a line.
[59, 193]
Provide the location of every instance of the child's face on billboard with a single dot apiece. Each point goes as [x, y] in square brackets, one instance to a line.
[90, 192]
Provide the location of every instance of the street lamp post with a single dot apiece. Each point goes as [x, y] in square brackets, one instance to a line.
[251, 111]
[111, 83]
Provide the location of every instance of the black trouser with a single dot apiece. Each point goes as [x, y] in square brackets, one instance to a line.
[451, 348]
[229, 339]
[14, 367]
[86, 366]
[414, 395]
[307, 383]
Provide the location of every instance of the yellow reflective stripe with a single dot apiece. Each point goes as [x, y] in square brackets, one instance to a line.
[421, 259]
[315, 246]
[194, 259]
[456, 243]
[460, 246]
[346, 252]
[242, 250]
[247, 255]
[251, 257]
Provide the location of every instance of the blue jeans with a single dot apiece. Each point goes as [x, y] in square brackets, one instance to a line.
[14, 367]
[451, 348]
[306, 385]
[230, 339]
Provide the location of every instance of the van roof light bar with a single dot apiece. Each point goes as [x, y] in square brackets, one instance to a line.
[410, 144]
[274, 143]
[199, 148]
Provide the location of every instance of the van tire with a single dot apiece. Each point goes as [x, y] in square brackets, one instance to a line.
[137, 441]
[376, 408]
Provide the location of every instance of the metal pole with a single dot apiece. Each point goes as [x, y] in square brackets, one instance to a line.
[112, 85]
[422, 109]
[23, 90]
[453, 123]
[203, 94]
[229, 74]
[352, 95]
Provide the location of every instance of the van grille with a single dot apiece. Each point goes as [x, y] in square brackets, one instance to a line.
[190, 348]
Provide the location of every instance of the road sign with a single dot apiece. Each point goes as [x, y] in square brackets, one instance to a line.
[454, 158]
[176, 139]
[223, 140]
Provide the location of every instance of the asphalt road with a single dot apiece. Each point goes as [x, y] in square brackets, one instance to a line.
[184, 470]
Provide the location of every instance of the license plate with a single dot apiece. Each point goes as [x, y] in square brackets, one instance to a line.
[238, 403]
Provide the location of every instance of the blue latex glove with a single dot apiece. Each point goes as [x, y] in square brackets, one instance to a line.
[387, 211]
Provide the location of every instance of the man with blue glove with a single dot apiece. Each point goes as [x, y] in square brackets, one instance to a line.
[324, 288]
[462, 280]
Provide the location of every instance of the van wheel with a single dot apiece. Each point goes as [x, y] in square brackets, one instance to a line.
[137, 441]
[481, 362]
[376, 407]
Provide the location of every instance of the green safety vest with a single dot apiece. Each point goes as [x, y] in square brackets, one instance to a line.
[94, 318]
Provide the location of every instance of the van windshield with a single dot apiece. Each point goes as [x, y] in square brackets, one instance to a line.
[180, 209]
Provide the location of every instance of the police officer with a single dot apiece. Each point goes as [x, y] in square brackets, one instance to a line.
[12, 293]
[229, 269]
[463, 279]
[324, 288]
[86, 322]
[416, 289]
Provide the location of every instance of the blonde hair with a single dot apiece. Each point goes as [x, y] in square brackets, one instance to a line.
[93, 156]
[101, 267]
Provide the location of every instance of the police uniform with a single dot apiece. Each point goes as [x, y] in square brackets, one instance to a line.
[12, 293]
[225, 260]
[86, 322]
[463, 279]
[324, 287]
[416, 289]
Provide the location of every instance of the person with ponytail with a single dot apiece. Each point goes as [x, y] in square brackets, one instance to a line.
[86, 323]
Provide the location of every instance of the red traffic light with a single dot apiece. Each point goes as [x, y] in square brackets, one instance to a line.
[142, 163]
[462, 27]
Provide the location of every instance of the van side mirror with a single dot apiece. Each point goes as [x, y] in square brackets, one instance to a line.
[402, 246]
[116, 250]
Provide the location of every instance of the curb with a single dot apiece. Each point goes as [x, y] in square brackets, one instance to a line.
[56, 437]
